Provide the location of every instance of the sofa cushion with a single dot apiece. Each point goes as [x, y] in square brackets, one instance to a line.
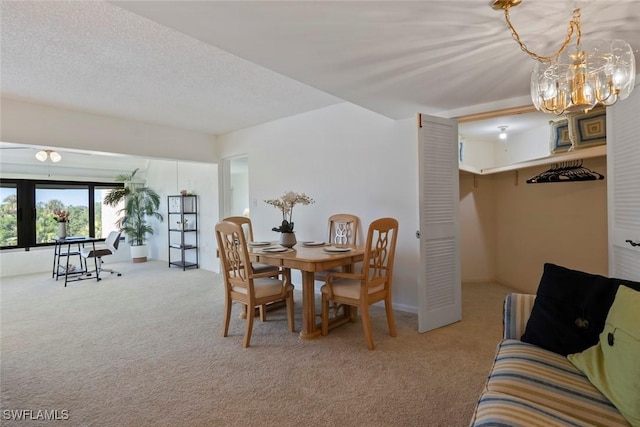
[613, 364]
[499, 409]
[516, 312]
[548, 380]
[570, 309]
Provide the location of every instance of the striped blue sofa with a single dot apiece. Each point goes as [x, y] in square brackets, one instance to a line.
[530, 386]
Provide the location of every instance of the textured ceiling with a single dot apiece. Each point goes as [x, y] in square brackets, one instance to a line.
[395, 57]
[94, 56]
[219, 66]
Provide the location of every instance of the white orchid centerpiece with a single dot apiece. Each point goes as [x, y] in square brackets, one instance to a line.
[286, 203]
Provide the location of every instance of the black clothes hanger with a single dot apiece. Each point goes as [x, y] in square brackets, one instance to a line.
[566, 172]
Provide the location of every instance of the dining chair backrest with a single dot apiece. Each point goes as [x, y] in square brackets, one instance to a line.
[232, 247]
[380, 250]
[245, 223]
[343, 229]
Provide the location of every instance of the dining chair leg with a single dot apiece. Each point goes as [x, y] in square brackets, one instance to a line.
[390, 320]
[335, 307]
[251, 314]
[290, 318]
[351, 311]
[366, 325]
[263, 313]
[325, 315]
[227, 316]
[243, 313]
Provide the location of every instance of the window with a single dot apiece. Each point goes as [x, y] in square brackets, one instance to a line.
[9, 216]
[28, 211]
[61, 197]
[106, 217]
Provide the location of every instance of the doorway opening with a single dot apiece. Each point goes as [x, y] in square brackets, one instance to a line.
[236, 187]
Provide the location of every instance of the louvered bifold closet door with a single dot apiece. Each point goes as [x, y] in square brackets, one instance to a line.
[623, 189]
[439, 298]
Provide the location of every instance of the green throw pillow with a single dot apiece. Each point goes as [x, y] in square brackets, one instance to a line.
[613, 364]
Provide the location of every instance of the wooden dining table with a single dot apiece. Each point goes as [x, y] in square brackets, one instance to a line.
[309, 260]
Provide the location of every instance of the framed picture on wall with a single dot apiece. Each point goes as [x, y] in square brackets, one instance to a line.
[588, 129]
[560, 140]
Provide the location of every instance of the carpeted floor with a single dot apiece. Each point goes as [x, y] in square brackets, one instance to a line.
[145, 349]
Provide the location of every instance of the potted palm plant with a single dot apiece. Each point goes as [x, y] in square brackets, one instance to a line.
[140, 204]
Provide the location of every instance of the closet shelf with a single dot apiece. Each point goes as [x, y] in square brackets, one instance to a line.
[582, 153]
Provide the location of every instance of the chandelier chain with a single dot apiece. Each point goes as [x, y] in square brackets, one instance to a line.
[575, 79]
[574, 25]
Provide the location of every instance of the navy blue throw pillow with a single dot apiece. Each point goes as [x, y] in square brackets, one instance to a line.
[570, 309]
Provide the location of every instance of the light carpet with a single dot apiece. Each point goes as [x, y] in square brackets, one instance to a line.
[146, 349]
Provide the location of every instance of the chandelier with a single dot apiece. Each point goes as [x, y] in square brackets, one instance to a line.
[577, 78]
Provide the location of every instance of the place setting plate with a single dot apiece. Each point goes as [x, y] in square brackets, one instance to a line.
[312, 243]
[335, 249]
[275, 249]
[258, 244]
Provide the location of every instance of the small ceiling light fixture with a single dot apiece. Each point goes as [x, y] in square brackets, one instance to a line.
[43, 155]
[503, 132]
[580, 77]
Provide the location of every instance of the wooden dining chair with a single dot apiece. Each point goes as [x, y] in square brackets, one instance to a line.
[372, 284]
[245, 286]
[343, 230]
[257, 267]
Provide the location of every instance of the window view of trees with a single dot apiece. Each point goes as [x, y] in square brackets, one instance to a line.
[51, 198]
[78, 224]
[9, 220]
[28, 206]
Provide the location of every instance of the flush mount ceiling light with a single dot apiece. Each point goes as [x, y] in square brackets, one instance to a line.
[43, 155]
[503, 132]
[579, 77]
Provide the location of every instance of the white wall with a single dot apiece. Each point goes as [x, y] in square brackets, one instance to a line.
[349, 160]
[37, 124]
[71, 129]
[520, 147]
[478, 228]
[239, 193]
[168, 178]
[523, 146]
[478, 154]
[14, 262]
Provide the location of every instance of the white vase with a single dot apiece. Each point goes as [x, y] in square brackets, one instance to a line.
[288, 240]
[62, 230]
